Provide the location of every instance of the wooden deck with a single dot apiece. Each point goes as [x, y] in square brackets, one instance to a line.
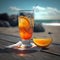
[10, 37]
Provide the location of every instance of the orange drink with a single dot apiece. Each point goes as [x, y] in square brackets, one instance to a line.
[25, 30]
[25, 25]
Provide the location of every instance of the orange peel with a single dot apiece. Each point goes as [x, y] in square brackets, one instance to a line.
[42, 42]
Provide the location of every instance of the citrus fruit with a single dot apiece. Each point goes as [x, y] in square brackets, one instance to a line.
[42, 42]
[23, 21]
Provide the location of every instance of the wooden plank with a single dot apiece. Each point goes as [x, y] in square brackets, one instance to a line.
[40, 55]
[10, 54]
[10, 38]
[54, 49]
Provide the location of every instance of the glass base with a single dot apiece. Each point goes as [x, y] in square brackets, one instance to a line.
[22, 46]
[26, 44]
[26, 47]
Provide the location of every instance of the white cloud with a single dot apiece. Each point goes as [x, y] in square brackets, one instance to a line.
[13, 8]
[46, 12]
[41, 12]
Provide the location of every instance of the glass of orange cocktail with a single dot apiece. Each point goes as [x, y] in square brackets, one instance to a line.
[25, 25]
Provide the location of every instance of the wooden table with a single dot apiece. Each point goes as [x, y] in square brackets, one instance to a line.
[53, 53]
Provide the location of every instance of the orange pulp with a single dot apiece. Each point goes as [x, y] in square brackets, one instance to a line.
[42, 42]
[25, 29]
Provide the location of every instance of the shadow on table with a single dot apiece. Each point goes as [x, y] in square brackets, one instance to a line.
[10, 50]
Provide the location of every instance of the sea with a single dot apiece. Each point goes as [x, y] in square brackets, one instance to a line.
[48, 22]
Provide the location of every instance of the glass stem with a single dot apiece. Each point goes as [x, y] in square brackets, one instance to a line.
[26, 43]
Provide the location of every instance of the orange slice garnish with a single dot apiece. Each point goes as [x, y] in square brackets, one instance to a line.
[42, 42]
[23, 21]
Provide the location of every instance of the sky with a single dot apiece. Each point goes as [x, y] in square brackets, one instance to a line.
[43, 9]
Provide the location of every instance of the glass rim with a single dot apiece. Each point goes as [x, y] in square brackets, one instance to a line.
[26, 11]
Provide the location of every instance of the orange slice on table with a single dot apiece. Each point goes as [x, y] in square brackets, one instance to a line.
[23, 21]
[42, 42]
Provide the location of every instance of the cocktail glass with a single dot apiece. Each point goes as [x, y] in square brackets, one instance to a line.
[25, 25]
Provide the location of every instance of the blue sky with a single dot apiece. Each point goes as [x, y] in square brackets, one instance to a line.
[46, 9]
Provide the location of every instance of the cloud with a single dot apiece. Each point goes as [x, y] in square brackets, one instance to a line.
[46, 12]
[41, 12]
[13, 8]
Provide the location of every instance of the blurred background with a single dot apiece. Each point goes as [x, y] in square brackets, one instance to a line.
[45, 12]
